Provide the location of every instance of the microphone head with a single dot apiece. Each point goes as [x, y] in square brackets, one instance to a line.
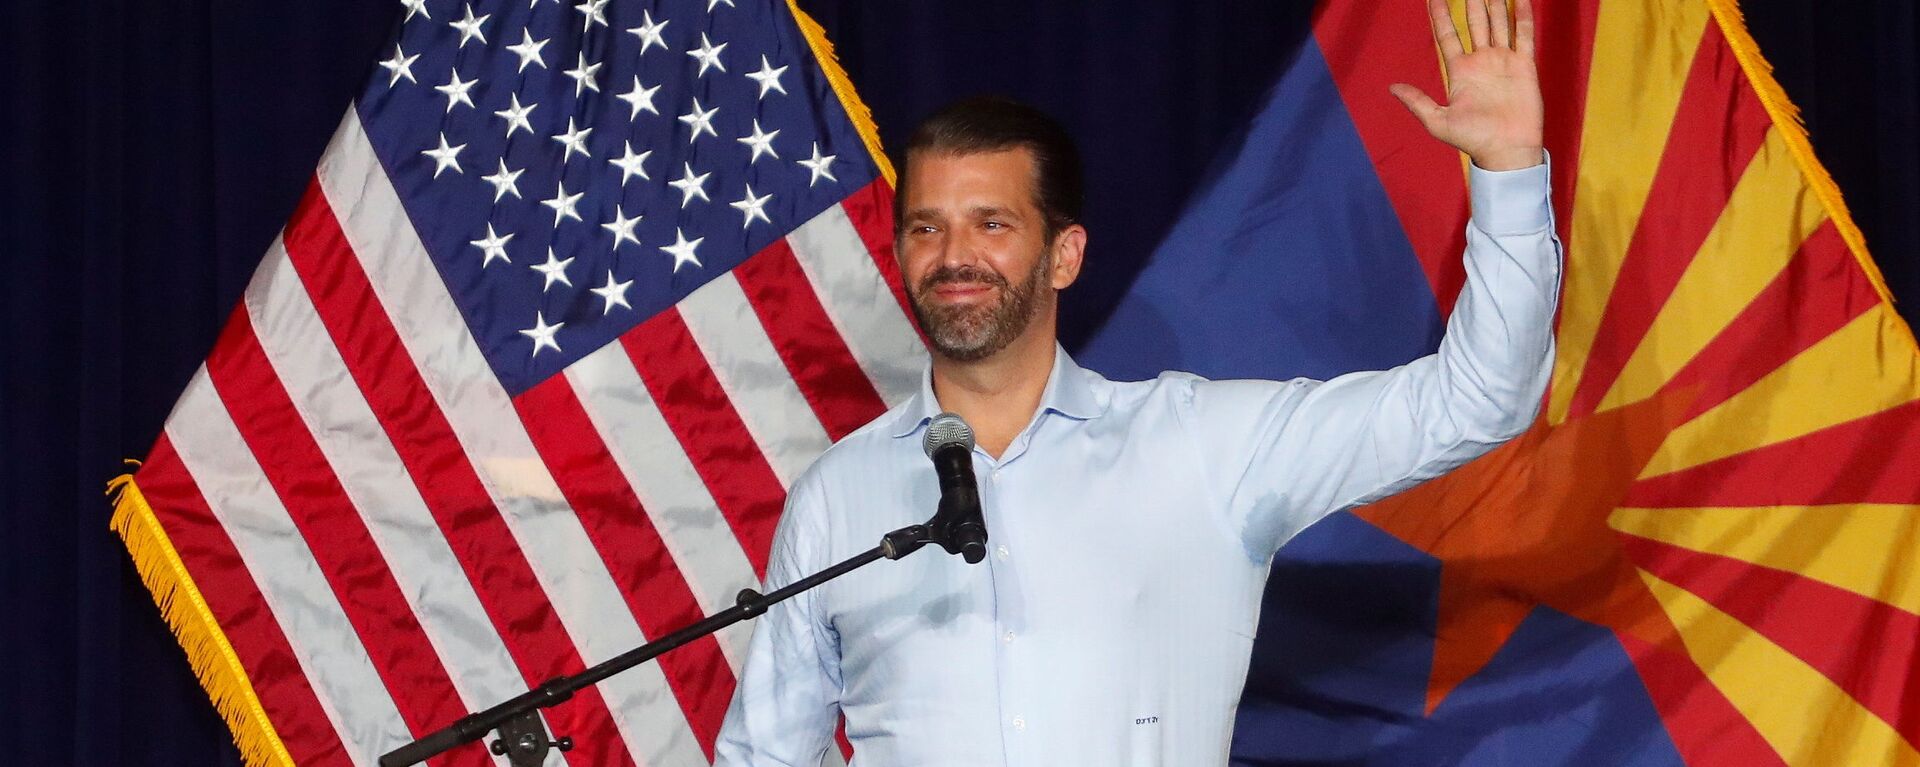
[947, 429]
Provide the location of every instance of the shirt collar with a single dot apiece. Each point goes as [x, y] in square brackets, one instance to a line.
[1069, 392]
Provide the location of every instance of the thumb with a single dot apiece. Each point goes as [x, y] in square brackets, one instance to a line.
[1422, 106]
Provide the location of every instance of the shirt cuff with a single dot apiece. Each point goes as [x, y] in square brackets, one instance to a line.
[1512, 201]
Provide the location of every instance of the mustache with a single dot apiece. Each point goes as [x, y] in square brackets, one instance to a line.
[952, 274]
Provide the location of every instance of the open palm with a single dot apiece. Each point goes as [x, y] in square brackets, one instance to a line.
[1494, 111]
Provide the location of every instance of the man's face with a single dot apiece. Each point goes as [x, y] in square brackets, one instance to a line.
[974, 252]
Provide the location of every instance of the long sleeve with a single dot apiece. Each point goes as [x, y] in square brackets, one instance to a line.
[1284, 454]
[788, 697]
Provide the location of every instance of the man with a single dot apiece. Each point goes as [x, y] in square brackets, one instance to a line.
[1132, 524]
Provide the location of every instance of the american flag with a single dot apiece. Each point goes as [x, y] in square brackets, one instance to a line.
[575, 293]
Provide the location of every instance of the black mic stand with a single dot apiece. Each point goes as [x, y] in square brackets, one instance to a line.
[523, 735]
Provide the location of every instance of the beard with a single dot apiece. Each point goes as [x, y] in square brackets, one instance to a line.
[967, 333]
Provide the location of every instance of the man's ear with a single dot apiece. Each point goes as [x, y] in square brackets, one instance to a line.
[1068, 248]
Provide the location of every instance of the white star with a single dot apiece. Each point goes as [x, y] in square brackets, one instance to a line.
[690, 185]
[575, 140]
[504, 181]
[768, 77]
[711, 4]
[595, 11]
[555, 270]
[420, 7]
[492, 246]
[401, 65]
[456, 89]
[761, 142]
[614, 293]
[583, 75]
[682, 250]
[701, 121]
[708, 55]
[563, 204]
[649, 33]
[641, 98]
[528, 49]
[631, 164]
[516, 116]
[470, 27]
[753, 207]
[542, 333]
[819, 165]
[445, 156]
[622, 227]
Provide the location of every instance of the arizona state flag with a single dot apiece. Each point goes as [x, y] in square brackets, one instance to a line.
[1704, 552]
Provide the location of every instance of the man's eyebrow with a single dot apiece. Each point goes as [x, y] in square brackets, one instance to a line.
[994, 211]
[977, 211]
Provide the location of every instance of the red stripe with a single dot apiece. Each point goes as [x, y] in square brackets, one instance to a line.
[237, 604]
[1866, 647]
[1875, 459]
[841, 396]
[1715, 136]
[317, 505]
[1563, 33]
[1706, 729]
[453, 492]
[636, 557]
[871, 211]
[710, 431]
[1369, 46]
[1820, 291]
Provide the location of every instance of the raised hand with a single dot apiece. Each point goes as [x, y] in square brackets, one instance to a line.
[1493, 112]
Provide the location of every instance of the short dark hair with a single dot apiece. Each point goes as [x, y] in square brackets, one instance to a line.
[996, 123]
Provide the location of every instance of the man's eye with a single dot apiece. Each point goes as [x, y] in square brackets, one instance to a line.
[994, 225]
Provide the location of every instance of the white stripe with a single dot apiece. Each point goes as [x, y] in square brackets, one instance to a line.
[276, 555]
[756, 380]
[860, 304]
[653, 462]
[360, 454]
[483, 418]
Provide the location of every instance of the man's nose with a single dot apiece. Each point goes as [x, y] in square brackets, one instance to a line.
[961, 247]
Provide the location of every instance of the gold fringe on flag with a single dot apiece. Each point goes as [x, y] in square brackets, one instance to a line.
[843, 87]
[1786, 118]
[193, 624]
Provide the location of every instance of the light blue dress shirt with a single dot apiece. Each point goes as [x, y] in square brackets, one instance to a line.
[1131, 528]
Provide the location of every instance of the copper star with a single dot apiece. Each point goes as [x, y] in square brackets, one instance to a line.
[1526, 525]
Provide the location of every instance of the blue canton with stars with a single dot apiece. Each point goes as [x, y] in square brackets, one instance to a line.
[575, 168]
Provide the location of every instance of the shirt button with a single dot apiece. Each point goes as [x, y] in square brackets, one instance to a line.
[996, 475]
[1001, 552]
[1019, 723]
[1008, 638]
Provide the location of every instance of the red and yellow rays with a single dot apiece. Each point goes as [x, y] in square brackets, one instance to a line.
[1727, 470]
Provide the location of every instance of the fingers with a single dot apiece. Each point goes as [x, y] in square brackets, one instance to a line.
[1502, 31]
[1443, 32]
[1523, 27]
[1478, 23]
[1420, 104]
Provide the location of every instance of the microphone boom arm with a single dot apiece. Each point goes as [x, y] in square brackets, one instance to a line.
[523, 735]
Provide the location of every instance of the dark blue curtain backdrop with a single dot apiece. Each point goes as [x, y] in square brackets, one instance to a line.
[152, 150]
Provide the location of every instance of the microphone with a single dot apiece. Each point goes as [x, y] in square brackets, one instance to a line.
[957, 526]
